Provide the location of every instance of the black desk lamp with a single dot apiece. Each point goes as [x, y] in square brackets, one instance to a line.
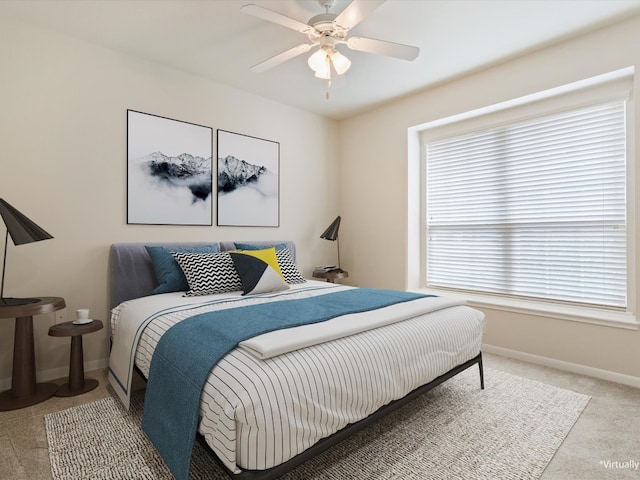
[22, 230]
[331, 233]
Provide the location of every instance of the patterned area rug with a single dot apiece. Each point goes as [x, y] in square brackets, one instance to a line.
[510, 430]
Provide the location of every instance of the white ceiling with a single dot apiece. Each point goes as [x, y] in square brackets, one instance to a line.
[213, 39]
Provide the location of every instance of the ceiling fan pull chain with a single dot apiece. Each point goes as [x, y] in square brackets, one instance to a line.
[326, 95]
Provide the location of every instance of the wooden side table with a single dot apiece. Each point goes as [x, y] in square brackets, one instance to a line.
[77, 383]
[330, 276]
[24, 389]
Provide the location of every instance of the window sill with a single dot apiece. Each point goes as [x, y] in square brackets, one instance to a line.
[626, 320]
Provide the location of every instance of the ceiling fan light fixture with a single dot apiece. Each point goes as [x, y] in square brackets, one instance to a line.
[340, 62]
[324, 74]
[320, 62]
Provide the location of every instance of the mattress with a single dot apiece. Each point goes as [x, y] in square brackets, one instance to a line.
[257, 413]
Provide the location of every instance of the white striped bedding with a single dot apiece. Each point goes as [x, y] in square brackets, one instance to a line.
[257, 413]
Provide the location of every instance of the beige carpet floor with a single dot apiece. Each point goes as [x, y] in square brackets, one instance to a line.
[605, 433]
[510, 430]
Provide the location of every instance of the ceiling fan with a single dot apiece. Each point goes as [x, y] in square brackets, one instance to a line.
[326, 31]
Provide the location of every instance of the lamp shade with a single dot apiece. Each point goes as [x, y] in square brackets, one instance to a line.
[331, 233]
[21, 229]
[340, 62]
[319, 63]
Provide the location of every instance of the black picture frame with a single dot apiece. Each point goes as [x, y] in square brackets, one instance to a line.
[248, 181]
[169, 171]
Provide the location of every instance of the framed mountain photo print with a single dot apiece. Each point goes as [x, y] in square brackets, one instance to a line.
[248, 181]
[169, 171]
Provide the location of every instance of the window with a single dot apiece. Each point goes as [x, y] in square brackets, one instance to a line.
[532, 208]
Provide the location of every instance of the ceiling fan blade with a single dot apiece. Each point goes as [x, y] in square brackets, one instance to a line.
[276, 17]
[381, 47]
[355, 12]
[281, 57]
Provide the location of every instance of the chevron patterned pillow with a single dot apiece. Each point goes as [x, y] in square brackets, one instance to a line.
[288, 267]
[168, 272]
[208, 273]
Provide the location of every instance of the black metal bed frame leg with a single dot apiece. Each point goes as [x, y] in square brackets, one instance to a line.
[480, 367]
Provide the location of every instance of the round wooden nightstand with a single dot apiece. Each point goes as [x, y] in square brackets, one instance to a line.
[24, 389]
[330, 276]
[77, 383]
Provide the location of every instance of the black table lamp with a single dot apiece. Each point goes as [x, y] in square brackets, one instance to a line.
[331, 233]
[22, 230]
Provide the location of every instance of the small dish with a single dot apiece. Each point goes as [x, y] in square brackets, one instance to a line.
[82, 322]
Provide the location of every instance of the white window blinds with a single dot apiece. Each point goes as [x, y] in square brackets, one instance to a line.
[532, 209]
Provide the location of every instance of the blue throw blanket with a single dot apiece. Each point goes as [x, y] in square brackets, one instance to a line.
[188, 351]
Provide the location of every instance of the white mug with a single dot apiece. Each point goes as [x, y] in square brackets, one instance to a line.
[82, 314]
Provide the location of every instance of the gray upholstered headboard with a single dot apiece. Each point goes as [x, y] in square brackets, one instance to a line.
[131, 273]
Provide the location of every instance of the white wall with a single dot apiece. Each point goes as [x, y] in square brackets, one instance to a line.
[63, 109]
[374, 192]
[63, 139]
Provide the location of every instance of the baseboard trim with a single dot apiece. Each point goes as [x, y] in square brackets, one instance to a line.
[62, 372]
[56, 373]
[566, 366]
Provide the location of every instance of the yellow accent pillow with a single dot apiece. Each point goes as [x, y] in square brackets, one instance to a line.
[267, 255]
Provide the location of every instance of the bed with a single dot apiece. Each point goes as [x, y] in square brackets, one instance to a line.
[282, 397]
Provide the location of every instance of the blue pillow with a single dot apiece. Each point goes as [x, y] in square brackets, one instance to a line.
[168, 272]
[262, 246]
